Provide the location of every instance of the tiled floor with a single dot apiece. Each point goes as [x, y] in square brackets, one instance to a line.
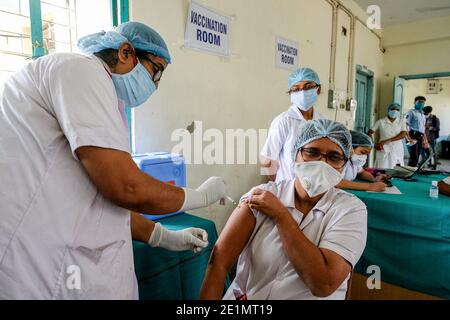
[445, 165]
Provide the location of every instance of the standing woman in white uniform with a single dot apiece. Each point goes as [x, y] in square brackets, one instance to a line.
[390, 148]
[295, 239]
[276, 155]
[68, 179]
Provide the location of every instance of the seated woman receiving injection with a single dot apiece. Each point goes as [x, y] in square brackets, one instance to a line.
[296, 239]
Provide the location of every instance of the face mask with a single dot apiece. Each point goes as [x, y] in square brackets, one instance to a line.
[135, 87]
[304, 100]
[359, 160]
[317, 177]
[420, 106]
[394, 114]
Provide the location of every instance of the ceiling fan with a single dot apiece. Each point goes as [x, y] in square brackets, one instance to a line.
[431, 9]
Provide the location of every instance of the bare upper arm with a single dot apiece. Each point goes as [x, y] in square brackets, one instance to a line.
[234, 237]
[339, 268]
[112, 171]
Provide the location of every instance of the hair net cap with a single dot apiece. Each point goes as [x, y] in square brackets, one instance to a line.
[318, 129]
[144, 38]
[100, 41]
[360, 139]
[141, 37]
[303, 74]
[394, 106]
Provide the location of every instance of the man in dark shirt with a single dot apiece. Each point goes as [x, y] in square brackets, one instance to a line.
[432, 128]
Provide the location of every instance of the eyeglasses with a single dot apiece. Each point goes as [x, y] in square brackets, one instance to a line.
[157, 70]
[334, 159]
[306, 87]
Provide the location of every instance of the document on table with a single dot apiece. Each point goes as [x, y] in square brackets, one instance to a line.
[391, 190]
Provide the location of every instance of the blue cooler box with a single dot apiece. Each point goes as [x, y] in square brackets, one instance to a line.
[166, 167]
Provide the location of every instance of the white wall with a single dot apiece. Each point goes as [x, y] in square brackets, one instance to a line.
[246, 90]
[440, 102]
[416, 48]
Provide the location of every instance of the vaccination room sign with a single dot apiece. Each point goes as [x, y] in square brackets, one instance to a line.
[287, 54]
[207, 30]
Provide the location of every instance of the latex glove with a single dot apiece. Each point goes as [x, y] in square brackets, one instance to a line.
[211, 191]
[188, 239]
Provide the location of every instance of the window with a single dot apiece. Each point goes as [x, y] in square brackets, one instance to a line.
[15, 36]
[33, 28]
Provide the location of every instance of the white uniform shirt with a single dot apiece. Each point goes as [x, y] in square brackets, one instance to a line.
[280, 143]
[352, 170]
[338, 222]
[393, 153]
[53, 220]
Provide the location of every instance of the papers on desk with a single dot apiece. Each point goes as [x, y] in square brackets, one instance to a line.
[392, 190]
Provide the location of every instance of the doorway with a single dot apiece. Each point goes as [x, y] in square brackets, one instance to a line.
[364, 96]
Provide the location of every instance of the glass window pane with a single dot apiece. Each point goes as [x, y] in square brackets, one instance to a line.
[93, 16]
[59, 3]
[54, 14]
[15, 38]
[25, 7]
[65, 21]
[10, 6]
[14, 23]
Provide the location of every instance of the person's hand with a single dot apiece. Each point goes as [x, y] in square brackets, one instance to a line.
[426, 145]
[188, 239]
[377, 187]
[213, 190]
[266, 203]
[381, 177]
[379, 146]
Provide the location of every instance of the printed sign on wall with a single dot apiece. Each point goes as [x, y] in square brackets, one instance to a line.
[287, 54]
[207, 30]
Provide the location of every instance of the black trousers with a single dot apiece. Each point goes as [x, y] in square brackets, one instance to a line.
[416, 150]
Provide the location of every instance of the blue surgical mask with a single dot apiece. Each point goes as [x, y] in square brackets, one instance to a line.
[419, 106]
[394, 114]
[304, 100]
[134, 87]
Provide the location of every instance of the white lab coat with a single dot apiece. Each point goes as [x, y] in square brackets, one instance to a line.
[53, 220]
[393, 153]
[338, 223]
[280, 143]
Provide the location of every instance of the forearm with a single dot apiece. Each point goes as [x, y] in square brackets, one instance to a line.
[307, 259]
[402, 135]
[350, 185]
[148, 195]
[269, 168]
[366, 176]
[141, 227]
[214, 282]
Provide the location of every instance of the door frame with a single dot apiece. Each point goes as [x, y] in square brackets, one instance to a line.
[364, 71]
[434, 75]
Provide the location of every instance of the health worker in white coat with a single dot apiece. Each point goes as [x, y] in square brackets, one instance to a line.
[276, 156]
[392, 130]
[68, 181]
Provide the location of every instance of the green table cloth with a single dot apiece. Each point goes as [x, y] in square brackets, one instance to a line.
[165, 275]
[409, 237]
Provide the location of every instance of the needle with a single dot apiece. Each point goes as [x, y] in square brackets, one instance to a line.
[231, 200]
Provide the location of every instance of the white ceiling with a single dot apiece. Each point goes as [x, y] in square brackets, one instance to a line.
[404, 11]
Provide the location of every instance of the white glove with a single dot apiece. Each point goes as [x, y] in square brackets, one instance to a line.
[189, 239]
[211, 191]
